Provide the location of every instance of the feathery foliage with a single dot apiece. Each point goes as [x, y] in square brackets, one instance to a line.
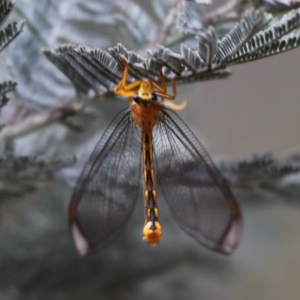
[6, 87]
[6, 7]
[7, 35]
[260, 168]
[276, 6]
[17, 173]
[256, 35]
[265, 177]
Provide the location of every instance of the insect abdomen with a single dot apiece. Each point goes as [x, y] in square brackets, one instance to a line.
[152, 230]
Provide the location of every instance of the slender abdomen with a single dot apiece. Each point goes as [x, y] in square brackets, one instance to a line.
[152, 229]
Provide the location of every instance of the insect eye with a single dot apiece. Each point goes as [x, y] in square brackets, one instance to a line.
[136, 99]
[154, 97]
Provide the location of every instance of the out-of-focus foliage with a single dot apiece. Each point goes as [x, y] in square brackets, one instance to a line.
[266, 177]
[260, 169]
[6, 87]
[19, 174]
[48, 122]
[276, 6]
[7, 35]
[10, 32]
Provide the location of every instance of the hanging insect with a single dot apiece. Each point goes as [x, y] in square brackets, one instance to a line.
[149, 138]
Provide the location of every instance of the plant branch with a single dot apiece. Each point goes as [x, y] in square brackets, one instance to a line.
[41, 120]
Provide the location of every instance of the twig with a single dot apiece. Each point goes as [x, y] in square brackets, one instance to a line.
[40, 120]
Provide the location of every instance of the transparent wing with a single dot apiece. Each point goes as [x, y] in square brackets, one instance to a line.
[106, 192]
[197, 195]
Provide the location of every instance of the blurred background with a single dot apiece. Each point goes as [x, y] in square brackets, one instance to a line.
[254, 111]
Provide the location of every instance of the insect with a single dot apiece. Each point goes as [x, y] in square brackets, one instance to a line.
[150, 140]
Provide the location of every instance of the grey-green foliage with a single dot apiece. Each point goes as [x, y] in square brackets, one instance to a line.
[19, 174]
[260, 169]
[266, 176]
[282, 35]
[6, 7]
[6, 87]
[256, 35]
[276, 6]
[188, 18]
[7, 35]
